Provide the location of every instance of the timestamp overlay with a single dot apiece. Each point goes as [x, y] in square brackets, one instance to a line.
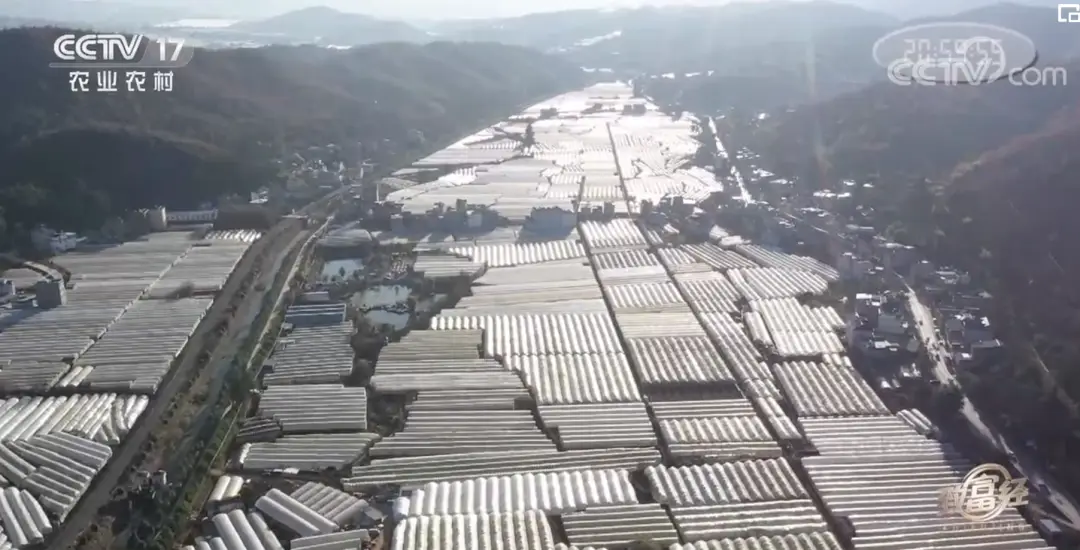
[956, 53]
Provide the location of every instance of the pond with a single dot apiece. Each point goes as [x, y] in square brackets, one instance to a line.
[385, 305]
[382, 296]
[333, 268]
[427, 305]
[379, 317]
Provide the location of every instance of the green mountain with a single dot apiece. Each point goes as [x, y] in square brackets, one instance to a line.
[873, 131]
[983, 178]
[73, 159]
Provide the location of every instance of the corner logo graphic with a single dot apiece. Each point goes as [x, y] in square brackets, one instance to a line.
[956, 53]
[1069, 13]
[984, 494]
[119, 51]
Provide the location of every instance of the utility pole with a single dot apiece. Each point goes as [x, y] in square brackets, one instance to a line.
[365, 164]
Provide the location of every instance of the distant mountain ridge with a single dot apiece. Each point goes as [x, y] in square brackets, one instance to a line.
[146, 12]
[668, 31]
[322, 25]
[906, 9]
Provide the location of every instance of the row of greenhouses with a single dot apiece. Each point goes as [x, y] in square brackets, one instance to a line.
[649, 389]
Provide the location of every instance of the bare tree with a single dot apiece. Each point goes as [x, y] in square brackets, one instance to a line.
[185, 290]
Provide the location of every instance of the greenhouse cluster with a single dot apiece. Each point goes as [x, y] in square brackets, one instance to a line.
[82, 361]
[609, 376]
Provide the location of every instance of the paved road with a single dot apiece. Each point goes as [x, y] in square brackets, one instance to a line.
[1069, 511]
[244, 318]
[1024, 463]
[100, 491]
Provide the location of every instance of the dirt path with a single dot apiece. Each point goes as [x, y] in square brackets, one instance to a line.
[264, 256]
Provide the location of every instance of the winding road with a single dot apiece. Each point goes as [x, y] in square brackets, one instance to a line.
[1069, 512]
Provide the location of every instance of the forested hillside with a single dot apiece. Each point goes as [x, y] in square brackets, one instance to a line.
[983, 176]
[1018, 204]
[815, 61]
[72, 159]
[759, 77]
[979, 177]
[918, 130]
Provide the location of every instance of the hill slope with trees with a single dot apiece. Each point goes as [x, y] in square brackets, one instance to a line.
[920, 131]
[819, 60]
[983, 178]
[74, 159]
[979, 177]
[1014, 207]
[1017, 203]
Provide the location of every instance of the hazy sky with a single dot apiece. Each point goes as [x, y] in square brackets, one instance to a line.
[437, 9]
[504, 8]
[415, 10]
[458, 9]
